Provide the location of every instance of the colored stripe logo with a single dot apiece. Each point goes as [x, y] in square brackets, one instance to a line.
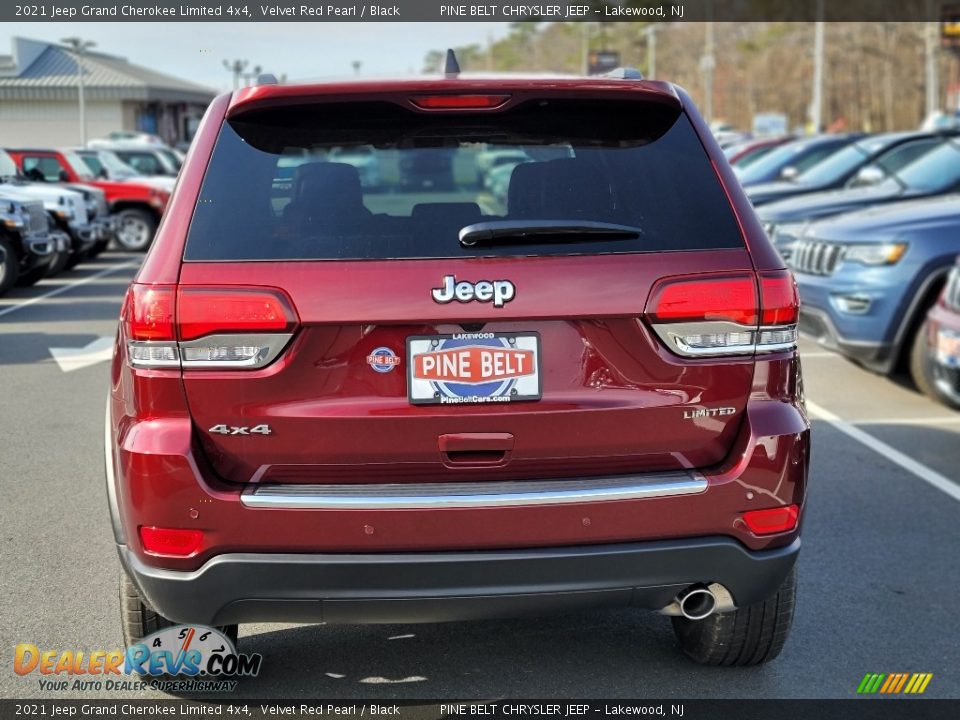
[894, 683]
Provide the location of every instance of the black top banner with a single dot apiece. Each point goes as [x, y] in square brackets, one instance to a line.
[648, 11]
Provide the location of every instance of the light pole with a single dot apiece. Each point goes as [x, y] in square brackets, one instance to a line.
[930, 51]
[236, 67]
[252, 75]
[651, 32]
[816, 104]
[707, 65]
[80, 47]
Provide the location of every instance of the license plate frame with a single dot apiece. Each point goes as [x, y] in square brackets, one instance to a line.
[526, 387]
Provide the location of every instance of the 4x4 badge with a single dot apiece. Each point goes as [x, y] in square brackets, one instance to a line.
[499, 292]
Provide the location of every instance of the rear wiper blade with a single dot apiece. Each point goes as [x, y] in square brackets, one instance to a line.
[522, 231]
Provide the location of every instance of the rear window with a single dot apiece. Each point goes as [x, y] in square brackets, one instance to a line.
[376, 181]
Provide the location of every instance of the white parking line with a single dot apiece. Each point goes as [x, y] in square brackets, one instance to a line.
[929, 476]
[934, 421]
[805, 355]
[69, 286]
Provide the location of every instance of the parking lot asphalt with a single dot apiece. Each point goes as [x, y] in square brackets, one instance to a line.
[878, 574]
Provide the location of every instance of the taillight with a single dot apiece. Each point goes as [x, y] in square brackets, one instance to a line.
[772, 520]
[779, 308]
[178, 542]
[723, 314]
[204, 312]
[148, 323]
[459, 102]
[234, 327]
[149, 312]
[732, 298]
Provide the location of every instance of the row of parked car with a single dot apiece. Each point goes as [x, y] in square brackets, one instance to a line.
[61, 206]
[870, 226]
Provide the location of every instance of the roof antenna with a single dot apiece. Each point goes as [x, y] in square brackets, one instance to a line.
[451, 68]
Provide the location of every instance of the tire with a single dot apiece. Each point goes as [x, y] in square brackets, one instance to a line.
[138, 619]
[750, 635]
[33, 275]
[922, 372]
[75, 258]
[98, 247]
[919, 363]
[59, 264]
[9, 265]
[135, 229]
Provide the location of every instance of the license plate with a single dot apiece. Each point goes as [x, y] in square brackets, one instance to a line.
[948, 348]
[473, 368]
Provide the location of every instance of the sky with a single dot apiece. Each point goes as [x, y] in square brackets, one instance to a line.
[196, 51]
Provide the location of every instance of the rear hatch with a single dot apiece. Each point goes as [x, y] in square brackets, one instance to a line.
[400, 331]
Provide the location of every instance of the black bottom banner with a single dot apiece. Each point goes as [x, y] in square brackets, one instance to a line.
[855, 709]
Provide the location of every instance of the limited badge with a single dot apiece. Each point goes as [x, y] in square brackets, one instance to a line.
[383, 359]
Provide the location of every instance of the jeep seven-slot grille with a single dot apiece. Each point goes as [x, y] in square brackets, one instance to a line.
[952, 294]
[815, 258]
[37, 215]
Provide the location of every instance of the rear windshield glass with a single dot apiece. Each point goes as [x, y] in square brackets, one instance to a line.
[375, 180]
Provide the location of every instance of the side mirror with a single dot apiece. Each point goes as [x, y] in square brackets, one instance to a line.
[869, 175]
[104, 174]
[789, 173]
[64, 176]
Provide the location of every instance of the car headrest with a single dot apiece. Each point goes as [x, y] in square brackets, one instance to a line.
[328, 185]
[528, 183]
[577, 189]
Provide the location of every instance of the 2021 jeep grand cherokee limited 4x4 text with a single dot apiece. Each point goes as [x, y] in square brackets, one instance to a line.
[394, 404]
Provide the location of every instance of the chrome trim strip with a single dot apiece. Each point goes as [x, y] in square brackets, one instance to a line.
[270, 344]
[149, 364]
[673, 335]
[425, 496]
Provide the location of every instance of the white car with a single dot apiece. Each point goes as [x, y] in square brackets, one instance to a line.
[127, 137]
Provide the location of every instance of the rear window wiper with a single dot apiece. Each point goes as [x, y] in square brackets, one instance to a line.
[523, 231]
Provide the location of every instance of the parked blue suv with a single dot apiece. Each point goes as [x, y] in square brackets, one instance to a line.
[867, 279]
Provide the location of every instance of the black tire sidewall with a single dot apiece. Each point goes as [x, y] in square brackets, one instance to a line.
[11, 265]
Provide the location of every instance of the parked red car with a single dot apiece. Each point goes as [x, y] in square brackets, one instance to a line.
[330, 403]
[744, 153]
[943, 344]
[137, 206]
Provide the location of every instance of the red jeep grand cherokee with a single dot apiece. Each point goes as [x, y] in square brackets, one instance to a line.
[416, 402]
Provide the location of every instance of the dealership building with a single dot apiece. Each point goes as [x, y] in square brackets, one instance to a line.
[39, 97]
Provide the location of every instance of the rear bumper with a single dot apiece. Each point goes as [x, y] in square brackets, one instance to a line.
[444, 586]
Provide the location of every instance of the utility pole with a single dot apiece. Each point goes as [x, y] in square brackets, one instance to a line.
[651, 32]
[80, 47]
[931, 31]
[585, 47]
[707, 64]
[816, 103]
[236, 67]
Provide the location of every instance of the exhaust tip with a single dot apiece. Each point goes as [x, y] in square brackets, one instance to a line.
[697, 602]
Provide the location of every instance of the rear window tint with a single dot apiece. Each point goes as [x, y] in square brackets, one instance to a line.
[376, 181]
